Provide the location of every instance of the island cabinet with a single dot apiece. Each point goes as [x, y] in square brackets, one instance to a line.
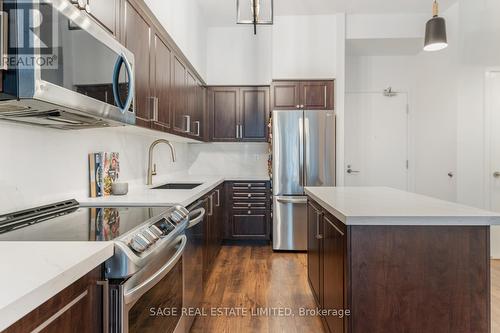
[326, 263]
[393, 275]
[238, 114]
[77, 308]
[248, 211]
[305, 95]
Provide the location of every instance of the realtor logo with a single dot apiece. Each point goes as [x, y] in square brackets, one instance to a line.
[33, 34]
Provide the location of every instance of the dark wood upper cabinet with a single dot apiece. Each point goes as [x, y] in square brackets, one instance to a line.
[179, 100]
[285, 95]
[254, 113]
[106, 12]
[161, 84]
[316, 95]
[239, 113]
[310, 95]
[224, 108]
[137, 38]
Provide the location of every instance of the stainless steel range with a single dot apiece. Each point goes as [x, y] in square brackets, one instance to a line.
[145, 272]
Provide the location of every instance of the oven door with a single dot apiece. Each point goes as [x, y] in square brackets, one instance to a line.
[79, 65]
[151, 300]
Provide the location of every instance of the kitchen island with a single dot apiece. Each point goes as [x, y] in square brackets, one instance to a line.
[395, 261]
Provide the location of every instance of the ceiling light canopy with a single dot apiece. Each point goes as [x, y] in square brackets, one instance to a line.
[254, 12]
[435, 31]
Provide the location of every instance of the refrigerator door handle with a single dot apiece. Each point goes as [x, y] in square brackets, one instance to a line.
[301, 151]
[292, 200]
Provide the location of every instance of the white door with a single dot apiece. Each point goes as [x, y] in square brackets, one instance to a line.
[493, 105]
[376, 140]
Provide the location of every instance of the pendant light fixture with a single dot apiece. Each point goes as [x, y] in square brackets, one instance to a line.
[255, 13]
[435, 31]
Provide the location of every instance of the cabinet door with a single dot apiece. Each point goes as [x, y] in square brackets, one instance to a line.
[254, 113]
[314, 267]
[137, 40]
[249, 224]
[106, 12]
[162, 56]
[285, 95]
[199, 118]
[179, 100]
[77, 308]
[316, 95]
[223, 104]
[334, 243]
[192, 103]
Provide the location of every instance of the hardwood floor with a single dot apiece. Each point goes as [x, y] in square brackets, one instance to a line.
[253, 277]
[495, 296]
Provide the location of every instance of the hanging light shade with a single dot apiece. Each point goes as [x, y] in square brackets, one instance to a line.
[435, 31]
[254, 12]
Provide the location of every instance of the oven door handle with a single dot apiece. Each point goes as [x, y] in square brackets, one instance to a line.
[132, 295]
[199, 215]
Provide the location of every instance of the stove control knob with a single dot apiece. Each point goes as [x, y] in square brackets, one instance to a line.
[150, 236]
[155, 230]
[179, 214]
[139, 243]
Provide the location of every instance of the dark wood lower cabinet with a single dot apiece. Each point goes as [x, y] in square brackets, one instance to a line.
[414, 279]
[248, 211]
[78, 309]
[214, 222]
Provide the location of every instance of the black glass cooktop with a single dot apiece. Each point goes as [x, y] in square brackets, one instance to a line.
[67, 221]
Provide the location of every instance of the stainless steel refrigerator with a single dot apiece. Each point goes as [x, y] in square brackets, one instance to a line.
[303, 155]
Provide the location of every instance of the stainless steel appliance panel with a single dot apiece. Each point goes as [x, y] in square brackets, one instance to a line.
[288, 152]
[319, 148]
[290, 223]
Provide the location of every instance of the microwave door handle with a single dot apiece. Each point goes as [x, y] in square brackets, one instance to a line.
[122, 60]
[135, 293]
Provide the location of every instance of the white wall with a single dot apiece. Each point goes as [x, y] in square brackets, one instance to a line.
[236, 56]
[304, 47]
[185, 22]
[41, 165]
[229, 159]
[373, 26]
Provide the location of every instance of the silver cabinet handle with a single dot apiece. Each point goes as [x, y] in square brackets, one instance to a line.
[4, 39]
[318, 236]
[188, 123]
[241, 131]
[198, 126]
[154, 104]
[132, 295]
[292, 200]
[211, 204]
[301, 153]
[218, 198]
[105, 304]
[297, 106]
[237, 132]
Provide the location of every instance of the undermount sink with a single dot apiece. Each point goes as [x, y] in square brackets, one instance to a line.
[177, 186]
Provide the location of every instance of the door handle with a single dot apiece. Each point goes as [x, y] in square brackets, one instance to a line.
[197, 216]
[237, 132]
[292, 201]
[318, 235]
[350, 171]
[496, 174]
[188, 124]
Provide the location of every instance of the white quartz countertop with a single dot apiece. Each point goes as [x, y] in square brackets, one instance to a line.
[387, 206]
[142, 195]
[33, 272]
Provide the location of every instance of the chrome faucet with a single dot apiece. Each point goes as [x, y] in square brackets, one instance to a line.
[151, 166]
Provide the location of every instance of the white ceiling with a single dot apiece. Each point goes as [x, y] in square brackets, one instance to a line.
[223, 12]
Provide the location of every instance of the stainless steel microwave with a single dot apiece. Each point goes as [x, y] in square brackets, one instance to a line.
[64, 70]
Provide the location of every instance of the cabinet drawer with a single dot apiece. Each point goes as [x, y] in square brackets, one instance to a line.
[249, 224]
[251, 196]
[249, 205]
[249, 187]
